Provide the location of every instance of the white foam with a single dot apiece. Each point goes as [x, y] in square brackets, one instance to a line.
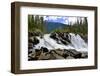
[76, 43]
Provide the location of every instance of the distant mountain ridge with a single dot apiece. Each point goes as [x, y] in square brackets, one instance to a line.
[50, 26]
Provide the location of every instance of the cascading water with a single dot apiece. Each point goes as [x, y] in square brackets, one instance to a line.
[76, 43]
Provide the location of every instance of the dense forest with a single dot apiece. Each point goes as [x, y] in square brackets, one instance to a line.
[36, 23]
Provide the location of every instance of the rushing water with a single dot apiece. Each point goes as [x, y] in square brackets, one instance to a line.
[76, 43]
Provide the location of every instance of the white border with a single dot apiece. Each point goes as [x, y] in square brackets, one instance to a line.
[25, 64]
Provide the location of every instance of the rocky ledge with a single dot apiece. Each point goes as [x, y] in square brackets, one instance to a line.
[45, 54]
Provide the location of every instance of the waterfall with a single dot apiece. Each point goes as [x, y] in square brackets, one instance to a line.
[76, 43]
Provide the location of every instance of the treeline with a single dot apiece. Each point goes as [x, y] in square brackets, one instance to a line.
[36, 23]
[79, 27]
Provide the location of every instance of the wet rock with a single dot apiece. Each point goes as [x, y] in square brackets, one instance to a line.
[30, 45]
[30, 51]
[65, 55]
[35, 41]
[73, 53]
[70, 57]
[35, 55]
[77, 55]
[84, 55]
[56, 55]
[64, 42]
[30, 34]
[44, 49]
[32, 56]
[37, 33]
[37, 52]
[59, 51]
[54, 36]
[65, 36]
[44, 56]
[61, 38]
[30, 40]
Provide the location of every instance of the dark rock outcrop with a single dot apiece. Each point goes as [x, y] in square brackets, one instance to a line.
[44, 49]
[35, 41]
[54, 36]
[30, 34]
[73, 53]
[44, 54]
[61, 37]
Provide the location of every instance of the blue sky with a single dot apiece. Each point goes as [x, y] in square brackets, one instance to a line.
[56, 19]
[62, 19]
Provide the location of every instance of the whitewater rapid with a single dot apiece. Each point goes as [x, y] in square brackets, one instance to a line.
[77, 43]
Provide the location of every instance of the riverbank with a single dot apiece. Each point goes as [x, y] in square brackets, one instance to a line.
[45, 54]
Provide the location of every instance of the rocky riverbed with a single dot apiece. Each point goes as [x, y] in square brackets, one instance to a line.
[45, 54]
[56, 46]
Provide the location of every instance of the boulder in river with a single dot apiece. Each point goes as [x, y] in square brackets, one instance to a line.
[73, 53]
[44, 49]
[61, 38]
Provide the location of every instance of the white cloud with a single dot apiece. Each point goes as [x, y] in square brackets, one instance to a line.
[63, 19]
